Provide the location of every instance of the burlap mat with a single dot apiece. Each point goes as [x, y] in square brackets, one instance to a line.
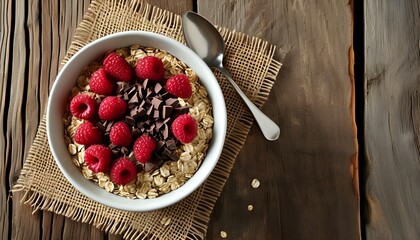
[251, 64]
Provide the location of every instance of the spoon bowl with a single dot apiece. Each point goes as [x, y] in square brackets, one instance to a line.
[205, 40]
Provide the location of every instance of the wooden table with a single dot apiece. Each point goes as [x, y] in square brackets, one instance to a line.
[347, 100]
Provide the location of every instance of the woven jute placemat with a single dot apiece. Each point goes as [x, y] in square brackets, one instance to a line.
[250, 61]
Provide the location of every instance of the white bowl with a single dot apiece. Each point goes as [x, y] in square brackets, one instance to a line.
[66, 79]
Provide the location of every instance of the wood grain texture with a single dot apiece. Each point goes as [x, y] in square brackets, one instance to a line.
[5, 34]
[34, 38]
[308, 189]
[392, 118]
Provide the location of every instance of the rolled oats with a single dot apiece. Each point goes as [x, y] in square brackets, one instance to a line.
[165, 221]
[72, 149]
[152, 193]
[164, 171]
[250, 207]
[109, 186]
[255, 183]
[158, 180]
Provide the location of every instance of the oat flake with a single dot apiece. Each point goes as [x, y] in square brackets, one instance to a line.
[255, 183]
[250, 207]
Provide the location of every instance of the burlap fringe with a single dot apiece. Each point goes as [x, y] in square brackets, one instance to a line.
[214, 184]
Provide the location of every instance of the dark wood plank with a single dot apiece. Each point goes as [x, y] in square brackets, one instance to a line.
[305, 182]
[392, 117]
[5, 42]
[309, 183]
[28, 226]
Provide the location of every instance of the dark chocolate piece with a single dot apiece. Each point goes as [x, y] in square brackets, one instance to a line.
[182, 110]
[165, 132]
[172, 102]
[130, 120]
[166, 111]
[134, 99]
[157, 103]
[158, 88]
[174, 155]
[171, 144]
[159, 145]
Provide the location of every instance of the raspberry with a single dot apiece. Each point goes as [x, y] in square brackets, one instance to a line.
[143, 148]
[88, 134]
[184, 128]
[123, 171]
[179, 85]
[120, 134]
[83, 106]
[118, 67]
[112, 108]
[100, 84]
[98, 158]
[150, 68]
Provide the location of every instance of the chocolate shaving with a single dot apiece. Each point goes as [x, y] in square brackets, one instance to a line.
[140, 91]
[126, 97]
[165, 132]
[134, 112]
[149, 111]
[174, 155]
[124, 150]
[133, 91]
[172, 102]
[141, 112]
[108, 126]
[149, 93]
[166, 153]
[166, 120]
[145, 83]
[171, 144]
[166, 111]
[156, 114]
[158, 88]
[134, 99]
[100, 126]
[131, 156]
[130, 120]
[136, 131]
[157, 103]
[159, 124]
[159, 145]
[182, 110]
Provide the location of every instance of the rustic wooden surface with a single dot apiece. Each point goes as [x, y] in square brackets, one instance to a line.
[392, 118]
[309, 177]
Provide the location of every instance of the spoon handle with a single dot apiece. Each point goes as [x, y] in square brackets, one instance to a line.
[269, 129]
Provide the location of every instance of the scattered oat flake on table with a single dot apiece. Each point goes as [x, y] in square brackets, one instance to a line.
[250, 207]
[165, 221]
[223, 234]
[255, 183]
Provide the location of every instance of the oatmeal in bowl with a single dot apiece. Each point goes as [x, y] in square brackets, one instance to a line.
[143, 121]
[138, 123]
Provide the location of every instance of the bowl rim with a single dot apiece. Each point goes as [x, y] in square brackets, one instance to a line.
[178, 50]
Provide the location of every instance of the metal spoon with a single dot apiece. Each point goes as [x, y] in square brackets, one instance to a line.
[204, 39]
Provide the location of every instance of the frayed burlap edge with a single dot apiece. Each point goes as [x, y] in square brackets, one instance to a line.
[166, 23]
